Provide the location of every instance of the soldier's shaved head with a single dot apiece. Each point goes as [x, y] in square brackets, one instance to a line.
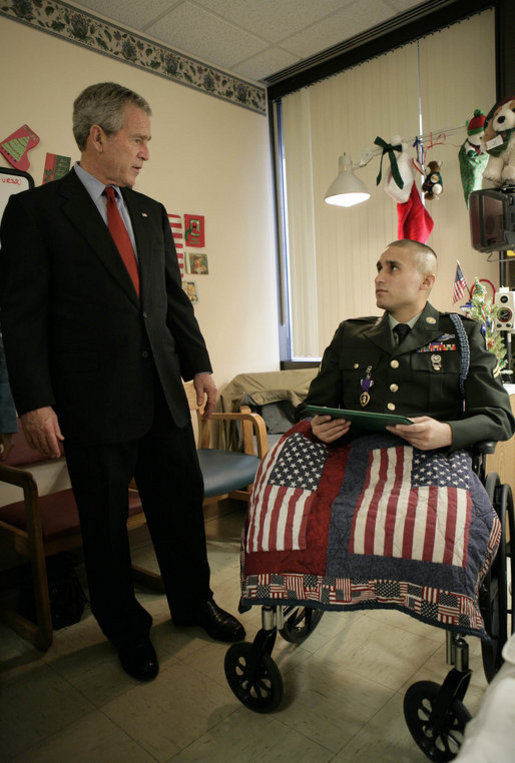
[425, 257]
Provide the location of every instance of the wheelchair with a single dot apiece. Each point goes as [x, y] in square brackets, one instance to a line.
[435, 714]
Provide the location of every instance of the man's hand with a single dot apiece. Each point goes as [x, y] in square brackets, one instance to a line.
[6, 444]
[328, 429]
[425, 433]
[42, 431]
[204, 385]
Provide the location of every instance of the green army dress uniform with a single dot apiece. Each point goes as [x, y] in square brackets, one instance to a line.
[419, 377]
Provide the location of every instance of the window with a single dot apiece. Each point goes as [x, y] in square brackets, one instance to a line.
[329, 253]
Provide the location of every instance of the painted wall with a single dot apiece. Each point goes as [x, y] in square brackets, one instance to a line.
[208, 157]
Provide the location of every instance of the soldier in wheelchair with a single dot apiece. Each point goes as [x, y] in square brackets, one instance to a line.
[431, 374]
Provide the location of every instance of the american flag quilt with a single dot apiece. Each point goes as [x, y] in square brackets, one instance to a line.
[371, 523]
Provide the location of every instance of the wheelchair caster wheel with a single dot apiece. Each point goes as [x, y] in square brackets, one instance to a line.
[254, 678]
[303, 621]
[437, 743]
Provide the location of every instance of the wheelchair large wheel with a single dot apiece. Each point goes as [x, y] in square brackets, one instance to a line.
[444, 742]
[507, 499]
[298, 625]
[494, 593]
[254, 678]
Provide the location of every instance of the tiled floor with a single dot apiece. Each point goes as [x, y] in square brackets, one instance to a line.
[343, 687]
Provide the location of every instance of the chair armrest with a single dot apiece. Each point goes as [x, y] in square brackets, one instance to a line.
[254, 419]
[247, 434]
[24, 479]
[14, 476]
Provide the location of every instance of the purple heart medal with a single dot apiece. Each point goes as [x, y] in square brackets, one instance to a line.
[366, 385]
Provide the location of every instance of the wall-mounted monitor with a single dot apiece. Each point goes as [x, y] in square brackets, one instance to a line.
[492, 219]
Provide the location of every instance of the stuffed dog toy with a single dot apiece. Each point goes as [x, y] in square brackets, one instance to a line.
[499, 140]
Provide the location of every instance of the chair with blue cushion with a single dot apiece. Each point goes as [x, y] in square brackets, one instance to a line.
[228, 473]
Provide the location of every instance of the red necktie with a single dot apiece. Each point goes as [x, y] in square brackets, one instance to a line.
[120, 236]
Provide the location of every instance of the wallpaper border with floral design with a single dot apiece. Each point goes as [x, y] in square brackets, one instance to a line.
[82, 28]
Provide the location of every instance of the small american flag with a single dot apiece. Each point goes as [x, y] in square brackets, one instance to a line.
[414, 505]
[283, 495]
[178, 239]
[460, 284]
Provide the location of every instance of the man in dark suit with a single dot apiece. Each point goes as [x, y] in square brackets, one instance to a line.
[416, 361]
[98, 333]
[8, 424]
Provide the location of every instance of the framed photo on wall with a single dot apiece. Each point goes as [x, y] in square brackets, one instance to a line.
[190, 287]
[197, 264]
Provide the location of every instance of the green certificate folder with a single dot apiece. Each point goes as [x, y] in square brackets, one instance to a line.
[373, 422]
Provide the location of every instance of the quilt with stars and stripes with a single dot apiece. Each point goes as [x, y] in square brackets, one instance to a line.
[370, 523]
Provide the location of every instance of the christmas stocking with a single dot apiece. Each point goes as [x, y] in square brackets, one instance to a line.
[414, 221]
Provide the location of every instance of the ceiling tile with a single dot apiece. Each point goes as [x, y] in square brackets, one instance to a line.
[264, 64]
[131, 13]
[356, 18]
[273, 19]
[200, 33]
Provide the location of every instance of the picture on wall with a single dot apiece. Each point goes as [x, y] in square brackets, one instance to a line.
[190, 287]
[17, 145]
[194, 230]
[12, 181]
[56, 166]
[196, 263]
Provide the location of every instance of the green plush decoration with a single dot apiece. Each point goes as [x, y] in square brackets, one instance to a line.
[481, 309]
[472, 156]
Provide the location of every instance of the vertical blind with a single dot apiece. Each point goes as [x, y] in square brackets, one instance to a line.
[332, 251]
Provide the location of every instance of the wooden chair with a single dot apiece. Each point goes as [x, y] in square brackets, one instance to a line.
[44, 525]
[40, 526]
[227, 473]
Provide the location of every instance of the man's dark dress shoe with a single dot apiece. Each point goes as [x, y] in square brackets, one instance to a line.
[139, 660]
[217, 623]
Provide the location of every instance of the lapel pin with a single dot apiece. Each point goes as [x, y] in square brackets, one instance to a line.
[430, 319]
[144, 214]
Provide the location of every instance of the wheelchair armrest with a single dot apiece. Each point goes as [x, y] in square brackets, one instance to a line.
[480, 450]
[484, 447]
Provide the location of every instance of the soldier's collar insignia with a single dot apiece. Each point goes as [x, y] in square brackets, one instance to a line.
[430, 319]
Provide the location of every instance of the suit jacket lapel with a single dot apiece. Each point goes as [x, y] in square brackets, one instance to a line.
[79, 208]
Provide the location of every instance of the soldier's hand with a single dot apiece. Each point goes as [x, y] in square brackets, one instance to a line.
[42, 431]
[425, 433]
[328, 429]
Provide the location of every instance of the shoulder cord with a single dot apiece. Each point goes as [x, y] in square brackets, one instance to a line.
[464, 349]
